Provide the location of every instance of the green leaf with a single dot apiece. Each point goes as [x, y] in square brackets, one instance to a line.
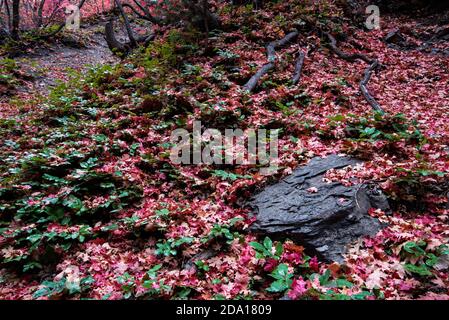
[184, 293]
[163, 213]
[340, 283]
[324, 279]
[34, 238]
[31, 266]
[73, 202]
[422, 270]
[281, 272]
[87, 281]
[431, 259]
[414, 248]
[338, 118]
[278, 286]
[101, 138]
[279, 249]
[268, 244]
[155, 268]
[257, 246]
[362, 295]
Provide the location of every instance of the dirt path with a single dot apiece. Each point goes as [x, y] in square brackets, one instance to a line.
[49, 65]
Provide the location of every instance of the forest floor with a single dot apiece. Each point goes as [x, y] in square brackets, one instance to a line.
[91, 206]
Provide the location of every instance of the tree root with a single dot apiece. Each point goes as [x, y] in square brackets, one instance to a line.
[348, 57]
[146, 13]
[298, 68]
[373, 65]
[252, 83]
[119, 48]
[397, 41]
[271, 55]
[364, 82]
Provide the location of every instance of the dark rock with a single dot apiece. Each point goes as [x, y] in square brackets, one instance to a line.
[323, 222]
[442, 263]
[395, 38]
[204, 255]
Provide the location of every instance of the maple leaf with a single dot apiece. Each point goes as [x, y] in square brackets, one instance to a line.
[375, 279]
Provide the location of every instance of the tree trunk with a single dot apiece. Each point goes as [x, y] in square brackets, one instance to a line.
[15, 19]
[132, 40]
[114, 45]
[8, 14]
[39, 13]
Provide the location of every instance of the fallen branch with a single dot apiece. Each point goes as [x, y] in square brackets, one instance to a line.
[132, 40]
[252, 83]
[397, 41]
[271, 55]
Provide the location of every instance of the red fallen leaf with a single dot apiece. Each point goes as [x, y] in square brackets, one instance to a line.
[299, 288]
[293, 247]
[314, 265]
[335, 269]
[270, 264]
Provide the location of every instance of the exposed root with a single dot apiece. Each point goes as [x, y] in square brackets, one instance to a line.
[252, 83]
[364, 82]
[119, 48]
[113, 44]
[298, 68]
[397, 41]
[373, 65]
[349, 57]
[271, 55]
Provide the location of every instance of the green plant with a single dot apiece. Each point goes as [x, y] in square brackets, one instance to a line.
[228, 55]
[163, 213]
[425, 260]
[201, 266]
[62, 287]
[380, 126]
[225, 175]
[170, 247]
[283, 279]
[152, 284]
[265, 249]
[127, 283]
[223, 231]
